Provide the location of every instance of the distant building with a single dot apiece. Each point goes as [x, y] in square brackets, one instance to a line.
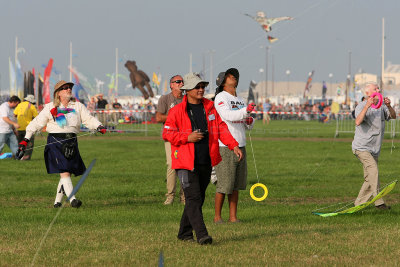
[363, 78]
[391, 75]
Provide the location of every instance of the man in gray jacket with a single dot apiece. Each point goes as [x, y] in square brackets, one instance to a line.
[366, 146]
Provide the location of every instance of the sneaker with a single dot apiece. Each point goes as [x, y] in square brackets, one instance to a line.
[57, 205]
[383, 207]
[205, 240]
[169, 201]
[76, 203]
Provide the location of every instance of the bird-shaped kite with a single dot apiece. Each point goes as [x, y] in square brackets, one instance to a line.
[266, 23]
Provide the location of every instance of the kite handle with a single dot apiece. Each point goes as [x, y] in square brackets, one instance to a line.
[379, 102]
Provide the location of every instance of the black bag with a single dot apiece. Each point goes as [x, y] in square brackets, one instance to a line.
[69, 150]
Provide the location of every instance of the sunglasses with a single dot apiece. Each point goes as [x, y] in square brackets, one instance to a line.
[177, 81]
[66, 87]
[200, 87]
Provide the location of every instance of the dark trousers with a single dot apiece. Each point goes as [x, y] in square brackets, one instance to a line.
[29, 147]
[194, 186]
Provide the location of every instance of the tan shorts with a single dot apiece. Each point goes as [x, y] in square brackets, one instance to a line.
[231, 173]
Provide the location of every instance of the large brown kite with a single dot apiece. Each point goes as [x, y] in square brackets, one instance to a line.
[139, 79]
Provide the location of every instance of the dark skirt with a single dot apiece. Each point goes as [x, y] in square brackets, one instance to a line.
[55, 160]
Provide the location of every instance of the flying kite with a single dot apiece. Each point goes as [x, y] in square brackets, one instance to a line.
[266, 23]
[386, 190]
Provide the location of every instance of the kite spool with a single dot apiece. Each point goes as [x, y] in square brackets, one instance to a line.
[258, 198]
[379, 102]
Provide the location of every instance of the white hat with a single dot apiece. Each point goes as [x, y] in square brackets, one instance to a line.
[30, 98]
[190, 81]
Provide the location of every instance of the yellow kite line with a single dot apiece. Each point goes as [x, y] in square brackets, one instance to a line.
[386, 190]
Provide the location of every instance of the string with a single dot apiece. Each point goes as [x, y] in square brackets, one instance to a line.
[254, 159]
[58, 141]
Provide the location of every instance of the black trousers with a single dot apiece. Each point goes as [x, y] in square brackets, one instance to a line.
[29, 147]
[194, 185]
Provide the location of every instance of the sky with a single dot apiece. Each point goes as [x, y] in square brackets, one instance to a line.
[160, 36]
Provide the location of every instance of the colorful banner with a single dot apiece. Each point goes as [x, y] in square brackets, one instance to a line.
[308, 84]
[78, 91]
[20, 80]
[13, 85]
[46, 82]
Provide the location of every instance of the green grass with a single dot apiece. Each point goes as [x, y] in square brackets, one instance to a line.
[123, 221]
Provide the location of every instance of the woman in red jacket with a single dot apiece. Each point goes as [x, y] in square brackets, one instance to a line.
[193, 128]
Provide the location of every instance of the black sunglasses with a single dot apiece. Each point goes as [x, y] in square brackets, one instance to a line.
[177, 81]
[66, 87]
[200, 86]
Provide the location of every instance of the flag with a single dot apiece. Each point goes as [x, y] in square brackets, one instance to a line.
[34, 82]
[308, 84]
[46, 81]
[78, 91]
[12, 78]
[20, 80]
[272, 39]
[324, 89]
[156, 82]
[40, 90]
[165, 86]
[155, 79]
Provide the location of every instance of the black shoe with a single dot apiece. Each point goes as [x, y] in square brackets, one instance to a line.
[76, 203]
[57, 205]
[205, 240]
[383, 207]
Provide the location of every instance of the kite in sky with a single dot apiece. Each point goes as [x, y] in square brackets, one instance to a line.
[266, 23]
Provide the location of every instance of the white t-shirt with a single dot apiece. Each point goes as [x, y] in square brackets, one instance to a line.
[5, 111]
[233, 112]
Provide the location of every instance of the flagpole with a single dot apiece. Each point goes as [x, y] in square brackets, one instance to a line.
[15, 66]
[116, 71]
[70, 61]
[383, 53]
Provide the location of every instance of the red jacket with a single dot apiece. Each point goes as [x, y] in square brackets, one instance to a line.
[178, 127]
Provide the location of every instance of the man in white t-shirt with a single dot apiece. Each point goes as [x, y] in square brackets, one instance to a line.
[231, 172]
[8, 126]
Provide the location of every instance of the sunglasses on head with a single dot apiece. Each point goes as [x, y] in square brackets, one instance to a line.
[200, 87]
[177, 81]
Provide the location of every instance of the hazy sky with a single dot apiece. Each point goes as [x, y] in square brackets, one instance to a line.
[160, 35]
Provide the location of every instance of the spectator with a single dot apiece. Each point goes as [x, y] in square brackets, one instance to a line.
[231, 172]
[266, 109]
[101, 106]
[25, 113]
[193, 127]
[165, 103]
[8, 126]
[92, 104]
[366, 146]
[63, 119]
[117, 111]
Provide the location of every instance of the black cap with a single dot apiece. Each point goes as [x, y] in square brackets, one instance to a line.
[234, 72]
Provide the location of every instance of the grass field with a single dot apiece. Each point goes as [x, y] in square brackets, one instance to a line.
[123, 222]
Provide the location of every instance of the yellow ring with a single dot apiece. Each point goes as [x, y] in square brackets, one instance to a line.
[258, 198]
